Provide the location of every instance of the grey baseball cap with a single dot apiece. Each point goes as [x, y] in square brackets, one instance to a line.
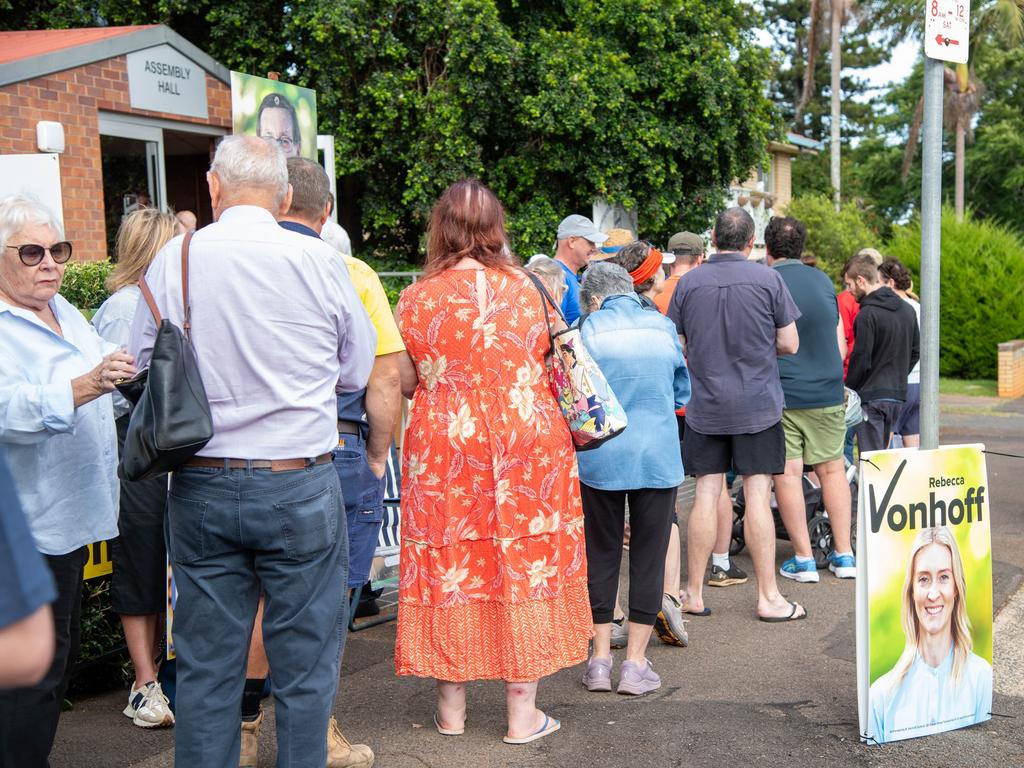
[580, 226]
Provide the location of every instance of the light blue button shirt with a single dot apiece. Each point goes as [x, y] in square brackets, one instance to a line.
[113, 322]
[926, 700]
[639, 353]
[63, 459]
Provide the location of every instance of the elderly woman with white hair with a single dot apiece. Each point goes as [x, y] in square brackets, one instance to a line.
[57, 425]
[640, 354]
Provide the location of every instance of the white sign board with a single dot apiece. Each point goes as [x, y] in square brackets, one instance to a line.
[35, 175]
[161, 79]
[947, 24]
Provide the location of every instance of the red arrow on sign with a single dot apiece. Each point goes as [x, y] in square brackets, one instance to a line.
[946, 40]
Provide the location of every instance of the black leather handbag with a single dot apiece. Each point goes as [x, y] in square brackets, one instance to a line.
[170, 417]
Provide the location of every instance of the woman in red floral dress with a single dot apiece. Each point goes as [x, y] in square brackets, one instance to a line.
[493, 568]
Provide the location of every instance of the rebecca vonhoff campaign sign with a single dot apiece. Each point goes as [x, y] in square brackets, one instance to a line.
[924, 592]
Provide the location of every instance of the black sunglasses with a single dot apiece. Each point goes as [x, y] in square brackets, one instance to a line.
[32, 253]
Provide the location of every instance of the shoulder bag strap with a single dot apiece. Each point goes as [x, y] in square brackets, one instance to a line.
[148, 296]
[546, 300]
[186, 325]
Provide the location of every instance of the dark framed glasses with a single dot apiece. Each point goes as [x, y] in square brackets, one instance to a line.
[32, 253]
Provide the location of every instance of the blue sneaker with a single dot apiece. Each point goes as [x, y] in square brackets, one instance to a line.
[798, 570]
[843, 566]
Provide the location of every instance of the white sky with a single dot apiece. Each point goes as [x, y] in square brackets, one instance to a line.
[895, 70]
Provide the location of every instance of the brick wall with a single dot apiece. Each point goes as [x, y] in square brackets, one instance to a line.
[73, 98]
[1011, 369]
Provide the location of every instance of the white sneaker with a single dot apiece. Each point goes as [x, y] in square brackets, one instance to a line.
[148, 707]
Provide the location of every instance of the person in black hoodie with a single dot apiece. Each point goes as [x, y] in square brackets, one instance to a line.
[887, 348]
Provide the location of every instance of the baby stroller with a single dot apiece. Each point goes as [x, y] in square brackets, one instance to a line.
[819, 527]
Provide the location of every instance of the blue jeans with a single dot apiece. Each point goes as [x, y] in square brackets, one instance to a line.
[231, 532]
[364, 505]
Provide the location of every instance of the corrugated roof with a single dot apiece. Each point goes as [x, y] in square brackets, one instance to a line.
[15, 46]
[31, 54]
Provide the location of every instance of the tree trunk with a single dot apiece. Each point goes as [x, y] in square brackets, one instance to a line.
[837, 64]
[813, 29]
[958, 189]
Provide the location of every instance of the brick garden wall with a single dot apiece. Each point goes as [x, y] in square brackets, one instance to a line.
[73, 98]
[1011, 369]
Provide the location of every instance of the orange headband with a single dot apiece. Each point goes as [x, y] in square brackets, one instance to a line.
[648, 267]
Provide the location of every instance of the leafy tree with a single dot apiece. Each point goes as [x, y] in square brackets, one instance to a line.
[832, 236]
[652, 105]
[982, 268]
[995, 162]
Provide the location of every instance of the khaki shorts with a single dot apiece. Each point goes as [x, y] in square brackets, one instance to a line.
[815, 434]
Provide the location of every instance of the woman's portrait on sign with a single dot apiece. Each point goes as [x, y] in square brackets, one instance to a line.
[938, 682]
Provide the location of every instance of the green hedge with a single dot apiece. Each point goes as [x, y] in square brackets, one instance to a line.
[981, 306]
[83, 283]
[832, 236]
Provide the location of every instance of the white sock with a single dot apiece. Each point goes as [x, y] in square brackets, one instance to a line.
[838, 554]
[804, 559]
[721, 561]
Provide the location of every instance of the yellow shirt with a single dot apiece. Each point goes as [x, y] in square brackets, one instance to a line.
[375, 301]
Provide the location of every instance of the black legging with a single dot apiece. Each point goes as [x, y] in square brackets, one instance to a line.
[651, 514]
[28, 716]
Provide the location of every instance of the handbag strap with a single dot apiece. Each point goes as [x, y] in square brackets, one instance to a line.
[186, 325]
[148, 294]
[546, 300]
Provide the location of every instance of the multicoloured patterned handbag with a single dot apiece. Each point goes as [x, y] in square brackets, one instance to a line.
[588, 403]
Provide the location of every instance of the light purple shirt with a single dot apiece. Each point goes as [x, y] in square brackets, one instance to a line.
[277, 328]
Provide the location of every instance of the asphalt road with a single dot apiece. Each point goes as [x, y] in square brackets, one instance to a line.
[743, 694]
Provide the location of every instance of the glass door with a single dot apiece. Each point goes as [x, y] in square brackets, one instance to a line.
[132, 159]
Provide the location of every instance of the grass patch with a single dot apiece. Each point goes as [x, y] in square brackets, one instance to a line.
[971, 387]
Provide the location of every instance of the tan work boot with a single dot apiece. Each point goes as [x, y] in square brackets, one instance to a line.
[342, 754]
[249, 756]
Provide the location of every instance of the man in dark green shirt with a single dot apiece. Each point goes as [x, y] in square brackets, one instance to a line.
[814, 415]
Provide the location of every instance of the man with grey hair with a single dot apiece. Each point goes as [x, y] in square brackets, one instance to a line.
[735, 317]
[576, 244]
[277, 327]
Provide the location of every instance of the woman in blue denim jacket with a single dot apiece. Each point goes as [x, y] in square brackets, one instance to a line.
[640, 354]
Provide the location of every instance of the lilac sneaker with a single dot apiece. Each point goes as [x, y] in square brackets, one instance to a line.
[598, 676]
[638, 679]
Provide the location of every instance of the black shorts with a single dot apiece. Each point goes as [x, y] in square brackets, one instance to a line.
[760, 453]
[138, 586]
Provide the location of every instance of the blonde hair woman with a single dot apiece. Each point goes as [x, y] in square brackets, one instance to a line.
[550, 273]
[138, 585]
[938, 682]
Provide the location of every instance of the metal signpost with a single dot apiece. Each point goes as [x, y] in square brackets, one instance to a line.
[946, 30]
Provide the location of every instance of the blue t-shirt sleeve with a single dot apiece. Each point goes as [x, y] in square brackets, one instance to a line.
[27, 582]
[571, 300]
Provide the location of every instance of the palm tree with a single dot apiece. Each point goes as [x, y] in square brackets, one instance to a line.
[837, 13]
[838, 8]
[1004, 18]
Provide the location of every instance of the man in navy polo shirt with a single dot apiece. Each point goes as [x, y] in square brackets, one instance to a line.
[578, 238]
[735, 317]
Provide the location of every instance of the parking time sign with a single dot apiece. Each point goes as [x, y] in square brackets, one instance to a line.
[946, 27]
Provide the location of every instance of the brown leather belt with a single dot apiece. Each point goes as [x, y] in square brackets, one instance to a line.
[274, 465]
[348, 427]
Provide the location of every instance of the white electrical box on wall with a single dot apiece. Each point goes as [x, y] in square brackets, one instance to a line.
[50, 136]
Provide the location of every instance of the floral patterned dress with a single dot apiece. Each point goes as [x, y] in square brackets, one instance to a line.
[493, 567]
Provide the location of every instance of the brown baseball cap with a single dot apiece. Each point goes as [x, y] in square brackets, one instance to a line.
[686, 242]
